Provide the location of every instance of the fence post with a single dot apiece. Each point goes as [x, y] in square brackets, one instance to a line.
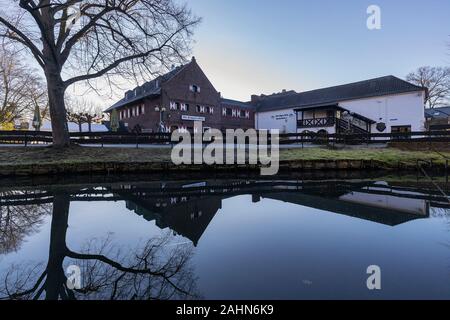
[446, 170]
[25, 140]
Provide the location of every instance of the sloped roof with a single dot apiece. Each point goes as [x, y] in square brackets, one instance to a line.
[148, 89]
[73, 127]
[363, 89]
[236, 103]
[441, 112]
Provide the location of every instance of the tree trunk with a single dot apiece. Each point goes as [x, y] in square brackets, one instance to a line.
[56, 278]
[56, 90]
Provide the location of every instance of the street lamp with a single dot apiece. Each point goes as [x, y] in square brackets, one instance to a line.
[161, 111]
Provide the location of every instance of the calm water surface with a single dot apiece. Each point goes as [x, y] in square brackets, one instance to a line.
[247, 238]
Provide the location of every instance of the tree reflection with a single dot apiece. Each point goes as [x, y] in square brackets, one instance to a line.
[19, 221]
[154, 270]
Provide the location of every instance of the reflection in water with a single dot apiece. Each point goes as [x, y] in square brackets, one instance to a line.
[147, 272]
[158, 268]
[19, 220]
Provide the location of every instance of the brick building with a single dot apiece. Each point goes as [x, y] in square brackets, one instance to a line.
[177, 99]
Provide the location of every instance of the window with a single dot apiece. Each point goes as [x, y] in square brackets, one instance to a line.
[186, 107]
[400, 129]
[242, 114]
[194, 88]
[229, 112]
[401, 132]
[201, 109]
[330, 113]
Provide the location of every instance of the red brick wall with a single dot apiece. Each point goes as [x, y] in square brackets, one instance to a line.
[178, 90]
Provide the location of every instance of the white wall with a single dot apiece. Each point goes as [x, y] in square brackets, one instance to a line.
[283, 120]
[393, 110]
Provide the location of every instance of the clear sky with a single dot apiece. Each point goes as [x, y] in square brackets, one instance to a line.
[250, 47]
[259, 46]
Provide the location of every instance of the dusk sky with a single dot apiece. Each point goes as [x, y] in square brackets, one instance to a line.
[257, 46]
[250, 47]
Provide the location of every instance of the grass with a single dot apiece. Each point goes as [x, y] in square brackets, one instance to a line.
[76, 154]
[390, 156]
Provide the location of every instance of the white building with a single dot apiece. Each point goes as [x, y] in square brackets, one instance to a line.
[386, 104]
[73, 127]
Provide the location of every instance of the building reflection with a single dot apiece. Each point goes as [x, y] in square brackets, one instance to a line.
[188, 208]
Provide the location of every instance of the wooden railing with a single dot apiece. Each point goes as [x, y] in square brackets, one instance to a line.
[110, 138]
[316, 122]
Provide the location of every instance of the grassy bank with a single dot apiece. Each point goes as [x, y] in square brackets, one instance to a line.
[389, 156]
[37, 160]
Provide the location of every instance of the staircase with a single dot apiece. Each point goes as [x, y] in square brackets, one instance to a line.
[346, 126]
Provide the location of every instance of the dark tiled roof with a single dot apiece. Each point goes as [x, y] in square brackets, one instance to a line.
[235, 103]
[357, 90]
[442, 112]
[148, 89]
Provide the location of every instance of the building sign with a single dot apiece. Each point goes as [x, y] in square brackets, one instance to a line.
[381, 126]
[192, 118]
[282, 116]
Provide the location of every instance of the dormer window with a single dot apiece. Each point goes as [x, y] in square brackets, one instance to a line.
[194, 88]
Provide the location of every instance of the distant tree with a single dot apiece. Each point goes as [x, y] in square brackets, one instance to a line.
[75, 40]
[82, 111]
[21, 89]
[37, 119]
[114, 121]
[437, 80]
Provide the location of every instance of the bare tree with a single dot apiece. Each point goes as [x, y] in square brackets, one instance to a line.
[82, 111]
[75, 40]
[437, 80]
[21, 89]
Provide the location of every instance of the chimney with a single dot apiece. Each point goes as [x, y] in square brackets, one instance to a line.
[193, 59]
[254, 98]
